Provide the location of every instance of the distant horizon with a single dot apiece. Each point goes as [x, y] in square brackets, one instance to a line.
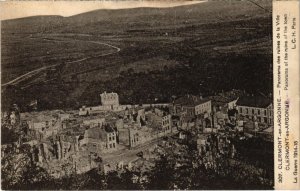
[23, 9]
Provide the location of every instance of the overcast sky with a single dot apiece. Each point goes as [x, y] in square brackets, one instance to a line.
[18, 9]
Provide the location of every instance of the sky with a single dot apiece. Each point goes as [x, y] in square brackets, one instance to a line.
[19, 9]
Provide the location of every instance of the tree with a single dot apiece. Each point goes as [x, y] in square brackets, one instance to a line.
[186, 170]
[19, 171]
[131, 180]
[8, 135]
[161, 177]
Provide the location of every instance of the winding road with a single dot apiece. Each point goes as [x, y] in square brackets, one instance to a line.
[36, 71]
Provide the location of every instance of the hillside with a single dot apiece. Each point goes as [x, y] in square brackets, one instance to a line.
[163, 52]
[95, 21]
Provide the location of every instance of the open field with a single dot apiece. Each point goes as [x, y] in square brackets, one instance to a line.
[22, 54]
[199, 49]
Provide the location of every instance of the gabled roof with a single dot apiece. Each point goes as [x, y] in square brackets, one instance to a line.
[190, 100]
[254, 101]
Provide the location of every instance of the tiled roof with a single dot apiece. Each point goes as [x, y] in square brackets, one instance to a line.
[190, 100]
[254, 101]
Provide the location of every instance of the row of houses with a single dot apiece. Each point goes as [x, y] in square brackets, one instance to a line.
[257, 108]
[135, 124]
[132, 126]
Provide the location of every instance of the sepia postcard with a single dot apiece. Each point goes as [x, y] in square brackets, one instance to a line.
[150, 95]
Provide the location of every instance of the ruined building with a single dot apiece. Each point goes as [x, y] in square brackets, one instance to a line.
[109, 99]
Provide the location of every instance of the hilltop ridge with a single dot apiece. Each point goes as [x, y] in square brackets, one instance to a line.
[222, 45]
